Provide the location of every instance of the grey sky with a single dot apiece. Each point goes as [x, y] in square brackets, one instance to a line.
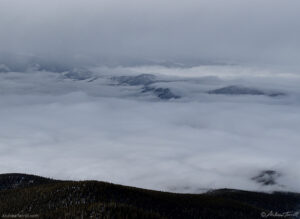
[131, 31]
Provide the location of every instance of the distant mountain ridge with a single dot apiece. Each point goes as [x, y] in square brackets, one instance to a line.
[241, 90]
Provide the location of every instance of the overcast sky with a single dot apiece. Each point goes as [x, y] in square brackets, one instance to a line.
[130, 31]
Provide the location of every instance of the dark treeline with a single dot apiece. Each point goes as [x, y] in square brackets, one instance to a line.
[32, 195]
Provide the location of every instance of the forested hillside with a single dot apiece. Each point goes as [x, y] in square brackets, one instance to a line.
[47, 198]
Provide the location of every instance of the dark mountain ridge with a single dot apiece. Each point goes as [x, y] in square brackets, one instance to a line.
[48, 198]
[240, 90]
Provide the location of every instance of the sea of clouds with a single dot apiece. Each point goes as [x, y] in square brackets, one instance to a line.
[58, 125]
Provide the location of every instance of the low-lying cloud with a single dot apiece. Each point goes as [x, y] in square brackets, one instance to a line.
[95, 128]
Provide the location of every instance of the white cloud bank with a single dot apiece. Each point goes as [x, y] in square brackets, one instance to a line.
[68, 129]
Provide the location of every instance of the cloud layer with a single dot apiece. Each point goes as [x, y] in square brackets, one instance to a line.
[57, 126]
[64, 116]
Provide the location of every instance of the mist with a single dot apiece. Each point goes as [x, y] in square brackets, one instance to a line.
[64, 126]
[181, 96]
[132, 32]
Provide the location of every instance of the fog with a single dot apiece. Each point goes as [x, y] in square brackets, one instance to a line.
[181, 96]
[134, 32]
[55, 125]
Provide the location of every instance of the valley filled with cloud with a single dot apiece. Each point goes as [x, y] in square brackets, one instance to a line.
[172, 129]
[181, 96]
